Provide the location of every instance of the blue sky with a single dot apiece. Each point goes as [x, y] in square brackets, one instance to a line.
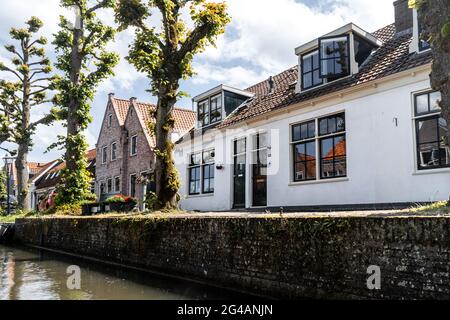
[259, 42]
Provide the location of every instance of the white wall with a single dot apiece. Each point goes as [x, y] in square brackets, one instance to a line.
[380, 156]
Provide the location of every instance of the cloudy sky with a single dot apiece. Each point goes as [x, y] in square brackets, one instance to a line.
[259, 42]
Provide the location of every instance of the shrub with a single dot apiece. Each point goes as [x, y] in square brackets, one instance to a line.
[120, 198]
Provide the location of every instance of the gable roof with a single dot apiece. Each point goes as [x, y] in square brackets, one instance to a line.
[392, 57]
[53, 176]
[121, 107]
[184, 119]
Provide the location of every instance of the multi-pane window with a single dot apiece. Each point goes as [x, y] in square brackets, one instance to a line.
[216, 109]
[334, 57]
[311, 70]
[117, 184]
[303, 136]
[431, 130]
[133, 179]
[203, 113]
[104, 154]
[110, 189]
[113, 151]
[210, 111]
[133, 146]
[423, 44]
[319, 149]
[201, 172]
[333, 147]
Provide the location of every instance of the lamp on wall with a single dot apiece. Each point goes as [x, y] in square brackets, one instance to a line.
[219, 166]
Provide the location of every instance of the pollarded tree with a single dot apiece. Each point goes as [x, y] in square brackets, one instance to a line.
[434, 17]
[166, 55]
[84, 62]
[31, 69]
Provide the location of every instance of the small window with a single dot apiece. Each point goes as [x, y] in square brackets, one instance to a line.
[423, 44]
[216, 109]
[102, 188]
[110, 189]
[303, 136]
[104, 155]
[334, 57]
[110, 121]
[133, 185]
[113, 151]
[431, 130]
[311, 70]
[194, 180]
[203, 113]
[133, 146]
[117, 184]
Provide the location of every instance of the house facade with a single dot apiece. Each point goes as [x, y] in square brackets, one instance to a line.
[354, 124]
[44, 183]
[125, 157]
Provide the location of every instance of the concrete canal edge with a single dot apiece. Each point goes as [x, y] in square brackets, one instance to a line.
[277, 257]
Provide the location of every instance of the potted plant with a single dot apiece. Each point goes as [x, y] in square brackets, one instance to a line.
[121, 203]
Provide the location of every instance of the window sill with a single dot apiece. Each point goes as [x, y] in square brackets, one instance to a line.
[431, 171]
[293, 184]
[205, 195]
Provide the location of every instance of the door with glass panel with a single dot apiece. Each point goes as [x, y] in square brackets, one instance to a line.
[259, 169]
[239, 169]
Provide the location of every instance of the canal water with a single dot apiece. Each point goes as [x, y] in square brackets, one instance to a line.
[27, 274]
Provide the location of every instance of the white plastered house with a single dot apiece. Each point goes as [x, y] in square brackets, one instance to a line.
[353, 125]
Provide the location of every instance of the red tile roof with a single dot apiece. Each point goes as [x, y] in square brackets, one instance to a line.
[392, 57]
[184, 119]
[52, 177]
[121, 107]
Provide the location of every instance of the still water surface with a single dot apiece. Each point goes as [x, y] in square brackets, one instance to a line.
[27, 274]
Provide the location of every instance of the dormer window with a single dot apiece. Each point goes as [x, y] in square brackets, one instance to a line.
[334, 57]
[311, 70]
[210, 111]
[423, 45]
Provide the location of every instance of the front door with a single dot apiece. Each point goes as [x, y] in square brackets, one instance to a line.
[239, 173]
[259, 170]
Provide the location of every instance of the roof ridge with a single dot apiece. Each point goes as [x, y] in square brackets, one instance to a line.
[152, 104]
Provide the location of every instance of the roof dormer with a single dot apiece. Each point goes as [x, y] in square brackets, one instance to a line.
[334, 56]
[214, 105]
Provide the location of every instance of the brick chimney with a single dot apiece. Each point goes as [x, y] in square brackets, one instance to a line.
[403, 17]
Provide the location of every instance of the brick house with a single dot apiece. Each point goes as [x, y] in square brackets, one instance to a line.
[125, 145]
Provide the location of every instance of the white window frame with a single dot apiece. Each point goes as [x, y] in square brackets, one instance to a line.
[115, 189]
[112, 149]
[129, 183]
[104, 155]
[107, 185]
[131, 145]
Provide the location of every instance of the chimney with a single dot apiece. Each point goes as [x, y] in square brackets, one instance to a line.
[271, 85]
[111, 95]
[133, 99]
[403, 17]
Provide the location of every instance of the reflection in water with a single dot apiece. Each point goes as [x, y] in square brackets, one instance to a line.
[34, 275]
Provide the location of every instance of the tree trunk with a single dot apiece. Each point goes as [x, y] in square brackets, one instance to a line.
[22, 178]
[166, 175]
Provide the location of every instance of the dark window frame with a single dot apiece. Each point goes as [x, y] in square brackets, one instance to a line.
[209, 115]
[133, 185]
[427, 116]
[117, 187]
[311, 71]
[334, 158]
[104, 155]
[109, 185]
[114, 151]
[334, 76]
[200, 166]
[304, 141]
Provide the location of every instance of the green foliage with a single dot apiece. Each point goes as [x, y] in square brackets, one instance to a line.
[151, 201]
[165, 54]
[30, 68]
[84, 63]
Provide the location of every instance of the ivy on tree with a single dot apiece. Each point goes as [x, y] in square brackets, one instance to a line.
[84, 62]
[434, 17]
[30, 69]
[165, 54]
[3, 190]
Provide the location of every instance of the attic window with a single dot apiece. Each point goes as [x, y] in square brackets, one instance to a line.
[109, 121]
[334, 57]
[423, 45]
[311, 70]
